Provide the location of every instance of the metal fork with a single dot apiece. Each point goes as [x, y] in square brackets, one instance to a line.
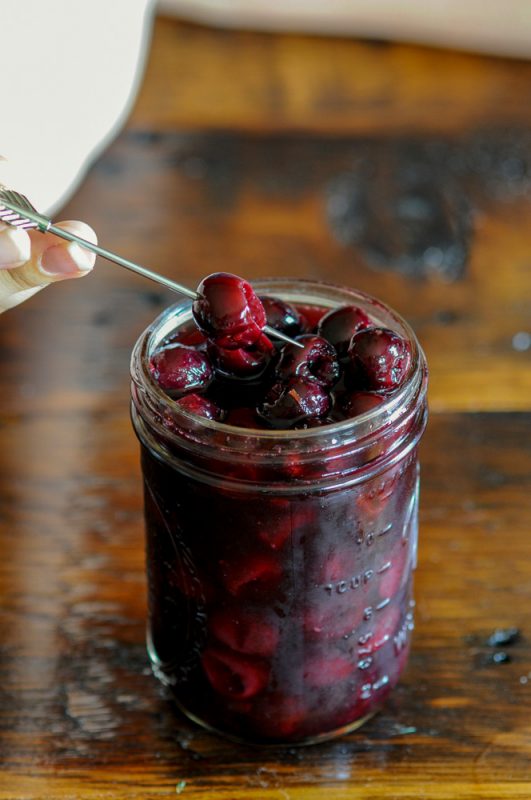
[16, 210]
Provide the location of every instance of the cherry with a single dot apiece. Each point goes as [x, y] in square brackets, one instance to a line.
[243, 362]
[276, 533]
[321, 672]
[312, 315]
[337, 564]
[180, 369]
[283, 316]
[238, 393]
[379, 359]
[285, 520]
[244, 630]
[189, 334]
[248, 573]
[233, 674]
[291, 402]
[228, 311]
[278, 715]
[317, 359]
[373, 499]
[202, 406]
[352, 404]
[243, 417]
[328, 621]
[340, 325]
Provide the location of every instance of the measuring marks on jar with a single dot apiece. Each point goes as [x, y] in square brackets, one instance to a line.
[361, 579]
[379, 601]
[400, 639]
[354, 582]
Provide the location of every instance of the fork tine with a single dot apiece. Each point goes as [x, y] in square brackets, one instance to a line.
[17, 198]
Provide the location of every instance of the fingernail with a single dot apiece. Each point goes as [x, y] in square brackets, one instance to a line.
[66, 260]
[15, 247]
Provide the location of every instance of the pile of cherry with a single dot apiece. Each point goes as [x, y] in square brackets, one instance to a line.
[228, 370]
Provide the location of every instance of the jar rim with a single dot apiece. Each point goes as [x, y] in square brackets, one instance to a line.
[308, 292]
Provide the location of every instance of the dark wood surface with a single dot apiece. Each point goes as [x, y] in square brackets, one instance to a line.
[354, 192]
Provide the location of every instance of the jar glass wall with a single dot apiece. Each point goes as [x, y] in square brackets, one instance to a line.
[280, 562]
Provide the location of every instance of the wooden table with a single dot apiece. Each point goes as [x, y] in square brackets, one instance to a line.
[401, 170]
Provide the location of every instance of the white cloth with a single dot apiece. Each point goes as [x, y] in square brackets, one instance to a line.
[488, 26]
[71, 68]
[70, 73]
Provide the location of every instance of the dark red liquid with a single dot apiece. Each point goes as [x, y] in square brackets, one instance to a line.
[280, 617]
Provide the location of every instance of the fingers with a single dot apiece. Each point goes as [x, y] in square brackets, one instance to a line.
[15, 246]
[54, 259]
[32, 260]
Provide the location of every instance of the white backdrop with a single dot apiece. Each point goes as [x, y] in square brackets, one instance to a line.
[70, 70]
[71, 67]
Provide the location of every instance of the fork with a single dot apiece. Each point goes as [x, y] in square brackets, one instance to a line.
[17, 211]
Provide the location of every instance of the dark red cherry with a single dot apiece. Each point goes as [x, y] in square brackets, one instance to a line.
[188, 334]
[312, 315]
[317, 360]
[228, 311]
[339, 326]
[238, 393]
[327, 621]
[293, 401]
[379, 359]
[245, 630]
[202, 406]
[352, 404]
[283, 316]
[243, 362]
[278, 715]
[321, 672]
[243, 417]
[234, 674]
[250, 573]
[180, 369]
[284, 522]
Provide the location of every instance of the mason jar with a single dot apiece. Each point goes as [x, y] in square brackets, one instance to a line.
[280, 563]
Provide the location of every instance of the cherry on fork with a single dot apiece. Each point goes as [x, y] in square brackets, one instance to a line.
[228, 311]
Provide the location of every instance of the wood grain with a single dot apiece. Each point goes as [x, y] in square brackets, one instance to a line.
[187, 205]
[80, 714]
[200, 78]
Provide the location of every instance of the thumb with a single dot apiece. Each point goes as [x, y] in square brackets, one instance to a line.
[30, 261]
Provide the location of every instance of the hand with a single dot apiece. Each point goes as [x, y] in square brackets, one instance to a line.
[30, 260]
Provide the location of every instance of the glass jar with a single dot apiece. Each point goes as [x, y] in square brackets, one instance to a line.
[280, 563]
